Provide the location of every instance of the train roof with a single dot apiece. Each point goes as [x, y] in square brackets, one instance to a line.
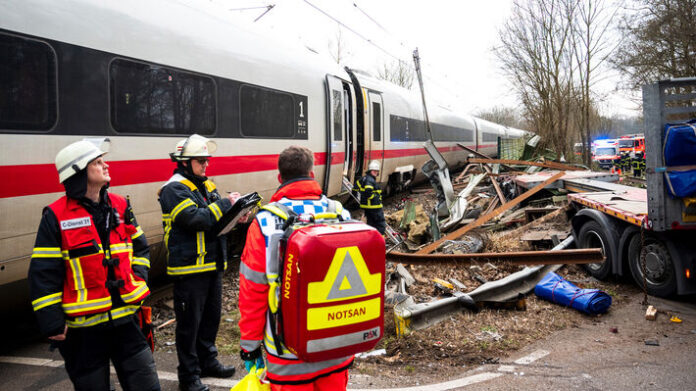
[177, 33]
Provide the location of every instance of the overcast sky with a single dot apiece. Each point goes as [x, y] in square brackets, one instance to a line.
[454, 38]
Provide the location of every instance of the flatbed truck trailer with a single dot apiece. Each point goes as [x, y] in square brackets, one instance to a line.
[648, 233]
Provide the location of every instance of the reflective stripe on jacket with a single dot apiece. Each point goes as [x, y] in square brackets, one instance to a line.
[85, 290]
[302, 196]
[187, 216]
[369, 193]
[67, 275]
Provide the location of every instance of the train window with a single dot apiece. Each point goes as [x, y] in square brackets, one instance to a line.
[337, 103]
[27, 84]
[489, 137]
[376, 121]
[266, 113]
[147, 98]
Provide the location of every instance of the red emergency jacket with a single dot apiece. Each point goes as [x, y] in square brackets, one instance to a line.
[283, 367]
[85, 286]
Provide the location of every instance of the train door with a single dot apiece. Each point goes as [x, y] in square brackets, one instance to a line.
[376, 133]
[339, 140]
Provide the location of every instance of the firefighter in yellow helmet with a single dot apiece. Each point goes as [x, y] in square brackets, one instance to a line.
[370, 196]
[196, 259]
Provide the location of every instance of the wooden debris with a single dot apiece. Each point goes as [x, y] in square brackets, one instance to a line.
[165, 324]
[536, 223]
[545, 234]
[531, 214]
[651, 313]
[483, 219]
[498, 191]
[554, 165]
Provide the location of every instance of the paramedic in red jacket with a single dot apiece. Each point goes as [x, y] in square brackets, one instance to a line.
[299, 191]
[88, 276]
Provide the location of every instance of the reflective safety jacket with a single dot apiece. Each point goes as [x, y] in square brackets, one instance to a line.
[188, 212]
[303, 196]
[78, 280]
[369, 193]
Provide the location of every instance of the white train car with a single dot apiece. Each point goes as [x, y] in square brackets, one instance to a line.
[148, 73]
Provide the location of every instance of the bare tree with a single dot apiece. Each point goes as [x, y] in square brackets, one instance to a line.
[536, 56]
[660, 41]
[398, 72]
[337, 46]
[591, 50]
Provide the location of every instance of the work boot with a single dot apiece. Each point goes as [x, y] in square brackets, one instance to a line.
[218, 370]
[193, 385]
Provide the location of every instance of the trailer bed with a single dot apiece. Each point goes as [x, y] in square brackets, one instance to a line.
[627, 203]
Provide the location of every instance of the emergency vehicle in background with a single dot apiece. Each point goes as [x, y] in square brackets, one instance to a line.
[146, 73]
[606, 153]
[649, 233]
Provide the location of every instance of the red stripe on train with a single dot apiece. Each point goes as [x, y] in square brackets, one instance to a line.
[30, 179]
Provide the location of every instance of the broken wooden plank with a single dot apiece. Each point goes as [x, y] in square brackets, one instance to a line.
[165, 324]
[492, 205]
[501, 196]
[485, 218]
[554, 165]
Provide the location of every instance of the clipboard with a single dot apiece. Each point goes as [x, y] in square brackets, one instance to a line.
[240, 208]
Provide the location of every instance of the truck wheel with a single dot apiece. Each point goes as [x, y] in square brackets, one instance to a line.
[660, 277]
[592, 235]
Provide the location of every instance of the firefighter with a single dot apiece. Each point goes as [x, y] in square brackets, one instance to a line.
[196, 260]
[88, 276]
[370, 196]
[299, 191]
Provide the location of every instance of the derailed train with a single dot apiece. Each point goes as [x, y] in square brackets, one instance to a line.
[146, 74]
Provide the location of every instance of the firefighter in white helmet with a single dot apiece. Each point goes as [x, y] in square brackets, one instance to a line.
[370, 196]
[196, 259]
[85, 289]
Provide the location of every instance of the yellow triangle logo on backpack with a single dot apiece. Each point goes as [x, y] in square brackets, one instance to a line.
[347, 278]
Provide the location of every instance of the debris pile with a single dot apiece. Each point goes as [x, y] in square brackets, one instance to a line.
[477, 233]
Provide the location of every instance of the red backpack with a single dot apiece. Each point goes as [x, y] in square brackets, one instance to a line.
[329, 294]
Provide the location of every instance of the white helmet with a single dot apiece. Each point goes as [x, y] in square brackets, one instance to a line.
[373, 166]
[193, 146]
[76, 156]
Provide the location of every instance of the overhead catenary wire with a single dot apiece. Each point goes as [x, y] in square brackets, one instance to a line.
[340, 23]
[380, 48]
[401, 43]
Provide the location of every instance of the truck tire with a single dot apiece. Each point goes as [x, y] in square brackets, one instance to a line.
[660, 276]
[592, 235]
